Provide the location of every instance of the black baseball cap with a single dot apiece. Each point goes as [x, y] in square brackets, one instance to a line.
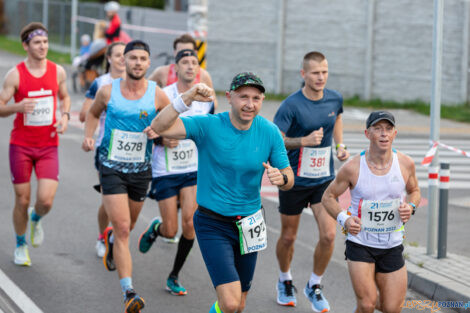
[377, 116]
[247, 79]
[137, 45]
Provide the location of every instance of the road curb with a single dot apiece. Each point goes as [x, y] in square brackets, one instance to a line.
[436, 287]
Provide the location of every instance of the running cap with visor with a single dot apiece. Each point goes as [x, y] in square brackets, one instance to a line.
[185, 53]
[247, 79]
[137, 45]
[377, 116]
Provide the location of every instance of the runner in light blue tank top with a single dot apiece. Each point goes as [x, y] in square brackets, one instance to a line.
[128, 116]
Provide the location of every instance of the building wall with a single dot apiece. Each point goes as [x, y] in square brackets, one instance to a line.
[245, 35]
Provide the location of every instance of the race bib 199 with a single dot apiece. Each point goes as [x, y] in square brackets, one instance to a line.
[380, 216]
[252, 233]
[181, 158]
[127, 146]
[43, 112]
[314, 162]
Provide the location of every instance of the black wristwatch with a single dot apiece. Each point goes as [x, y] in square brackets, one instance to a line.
[413, 206]
[286, 180]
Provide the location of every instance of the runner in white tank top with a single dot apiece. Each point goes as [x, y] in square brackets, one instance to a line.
[384, 194]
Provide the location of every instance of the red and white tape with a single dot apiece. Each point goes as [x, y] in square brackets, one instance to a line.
[155, 30]
[430, 154]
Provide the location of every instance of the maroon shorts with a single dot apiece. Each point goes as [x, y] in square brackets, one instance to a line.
[45, 161]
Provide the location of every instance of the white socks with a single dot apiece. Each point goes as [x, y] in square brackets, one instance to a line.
[314, 280]
[285, 276]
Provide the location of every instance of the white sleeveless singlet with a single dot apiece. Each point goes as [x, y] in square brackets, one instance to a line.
[183, 158]
[373, 187]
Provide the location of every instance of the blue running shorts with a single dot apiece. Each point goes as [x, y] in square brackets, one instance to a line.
[220, 248]
[168, 186]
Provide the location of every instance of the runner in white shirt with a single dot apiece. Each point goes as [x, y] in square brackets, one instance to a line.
[117, 69]
[174, 174]
[384, 195]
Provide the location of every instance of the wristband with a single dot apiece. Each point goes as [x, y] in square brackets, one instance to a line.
[342, 217]
[342, 145]
[413, 206]
[179, 105]
[68, 115]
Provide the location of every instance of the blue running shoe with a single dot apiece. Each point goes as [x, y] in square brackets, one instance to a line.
[315, 296]
[174, 287]
[285, 293]
[148, 237]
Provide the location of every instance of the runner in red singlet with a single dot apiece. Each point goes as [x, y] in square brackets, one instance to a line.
[35, 85]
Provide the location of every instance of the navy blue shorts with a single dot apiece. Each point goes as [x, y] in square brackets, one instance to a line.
[293, 201]
[165, 187]
[220, 249]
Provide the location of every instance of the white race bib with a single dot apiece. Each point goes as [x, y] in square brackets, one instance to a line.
[252, 233]
[380, 216]
[314, 162]
[127, 146]
[183, 157]
[42, 114]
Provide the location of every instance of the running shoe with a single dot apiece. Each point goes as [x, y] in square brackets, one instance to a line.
[285, 293]
[36, 231]
[108, 259]
[315, 296]
[100, 248]
[174, 287]
[147, 238]
[133, 302]
[22, 256]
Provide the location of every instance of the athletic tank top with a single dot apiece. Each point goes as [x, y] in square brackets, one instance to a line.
[125, 147]
[373, 187]
[183, 158]
[173, 77]
[37, 129]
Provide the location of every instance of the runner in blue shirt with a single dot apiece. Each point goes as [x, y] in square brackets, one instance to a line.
[234, 148]
[309, 120]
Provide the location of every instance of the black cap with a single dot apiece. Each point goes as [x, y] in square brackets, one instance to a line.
[137, 45]
[377, 116]
[247, 79]
[185, 53]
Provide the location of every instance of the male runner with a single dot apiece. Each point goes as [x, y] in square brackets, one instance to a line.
[166, 75]
[384, 194]
[125, 157]
[309, 119]
[174, 171]
[233, 148]
[35, 84]
[117, 69]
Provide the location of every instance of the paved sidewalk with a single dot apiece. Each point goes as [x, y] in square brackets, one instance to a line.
[445, 279]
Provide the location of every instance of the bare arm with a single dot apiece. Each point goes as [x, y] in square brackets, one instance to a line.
[290, 178]
[158, 75]
[311, 140]
[64, 100]
[168, 124]
[347, 174]
[93, 116]
[85, 107]
[412, 188]
[341, 153]
[10, 86]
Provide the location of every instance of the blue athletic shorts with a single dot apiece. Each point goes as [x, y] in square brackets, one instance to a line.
[220, 249]
[165, 187]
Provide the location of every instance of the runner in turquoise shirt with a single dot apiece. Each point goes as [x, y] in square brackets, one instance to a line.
[234, 150]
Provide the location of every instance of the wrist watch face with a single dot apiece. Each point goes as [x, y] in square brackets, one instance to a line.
[285, 178]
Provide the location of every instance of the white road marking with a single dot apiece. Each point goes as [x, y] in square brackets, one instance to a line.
[17, 295]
